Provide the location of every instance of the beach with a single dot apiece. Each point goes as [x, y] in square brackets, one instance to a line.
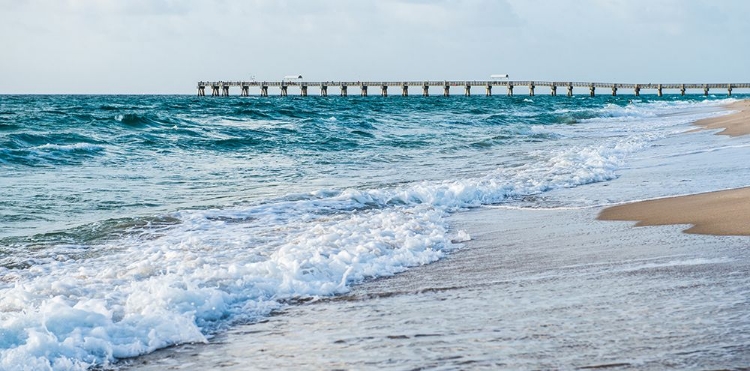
[725, 212]
[735, 124]
[542, 288]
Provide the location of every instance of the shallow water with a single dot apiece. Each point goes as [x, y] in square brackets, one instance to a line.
[580, 294]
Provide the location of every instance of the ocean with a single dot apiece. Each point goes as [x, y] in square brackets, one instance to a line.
[129, 224]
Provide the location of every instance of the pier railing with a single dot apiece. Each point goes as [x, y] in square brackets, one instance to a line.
[221, 88]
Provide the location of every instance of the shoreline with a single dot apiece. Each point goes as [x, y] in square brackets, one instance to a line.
[734, 124]
[533, 288]
[719, 213]
[497, 304]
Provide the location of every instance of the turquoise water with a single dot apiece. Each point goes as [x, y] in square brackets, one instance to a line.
[131, 223]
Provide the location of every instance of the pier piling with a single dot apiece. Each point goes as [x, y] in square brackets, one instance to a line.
[446, 90]
[592, 90]
[510, 89]
[323, 90]
[570, 90]
[426, 90]
[488, 91]
[344, 93]
[531, 89]
[303, 90]
[614, 90]
[384, 90]
[363, 90]
[553, 90]
[405, 90]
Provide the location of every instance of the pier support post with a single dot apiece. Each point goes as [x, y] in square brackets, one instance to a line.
[404, 90]
[729, 90]
[323, 90]
[614, 90]
[553, 90]
[705, 89]
[201, 91]
[425, 91]
[363, 90]
[570, 90]
[384, 90]
[245, 91]
[264, 90]
[510, 89]
[658, 90]
[682, 89]
[637, 90]
[303, 90]
[446, 90]
[488, 91]
[531, 89]
[592, 90]
[283, 90]
[344, 93]
[467, 90]
[225, 90]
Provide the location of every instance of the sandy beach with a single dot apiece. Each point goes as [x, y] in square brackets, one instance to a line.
[716, 213]
[735, 124]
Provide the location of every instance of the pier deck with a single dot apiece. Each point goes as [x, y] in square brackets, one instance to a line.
[221, 88]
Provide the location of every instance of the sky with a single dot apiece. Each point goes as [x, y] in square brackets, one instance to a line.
[167, 46]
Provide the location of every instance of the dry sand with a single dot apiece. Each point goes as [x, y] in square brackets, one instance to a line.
[735, 124]
[722, 213]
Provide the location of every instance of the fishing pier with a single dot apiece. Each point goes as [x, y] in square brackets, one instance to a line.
[221, 88]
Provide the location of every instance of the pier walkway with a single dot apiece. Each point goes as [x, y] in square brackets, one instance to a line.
[221, 88]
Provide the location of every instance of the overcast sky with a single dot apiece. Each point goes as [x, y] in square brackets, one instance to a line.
[166, 46]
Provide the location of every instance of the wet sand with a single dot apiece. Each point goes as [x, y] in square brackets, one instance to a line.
[734, 124]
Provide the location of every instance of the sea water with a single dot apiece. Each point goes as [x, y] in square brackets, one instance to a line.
[132, 223]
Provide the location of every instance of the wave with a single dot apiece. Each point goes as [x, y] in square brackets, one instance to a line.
[137, 120]
[51, 154]
[216, 267]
